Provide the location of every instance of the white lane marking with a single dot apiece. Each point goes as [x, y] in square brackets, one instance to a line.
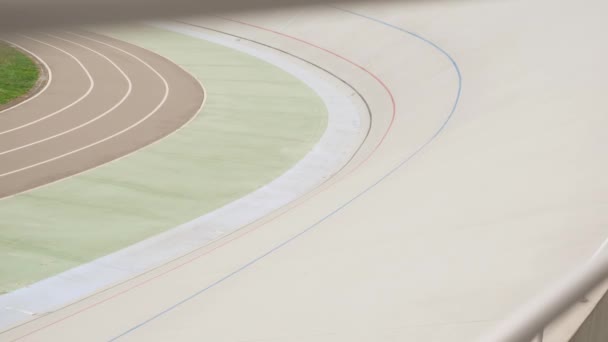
[122, 100]
[48, 82]
[599, 251]
[162, 102]
[196, 114]
[91, 86]
[29, 313]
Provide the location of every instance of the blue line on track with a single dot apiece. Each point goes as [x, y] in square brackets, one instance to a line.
[314, 225]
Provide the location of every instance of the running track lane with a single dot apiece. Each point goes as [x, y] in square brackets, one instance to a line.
[176, 109]
[93, 119]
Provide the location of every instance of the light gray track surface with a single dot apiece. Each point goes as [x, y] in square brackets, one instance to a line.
[510, 197]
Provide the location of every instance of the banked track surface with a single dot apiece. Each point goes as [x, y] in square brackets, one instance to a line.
[105, 99]
[506, 200]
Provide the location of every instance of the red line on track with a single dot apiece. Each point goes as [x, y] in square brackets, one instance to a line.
[390, 94]
[128, 289]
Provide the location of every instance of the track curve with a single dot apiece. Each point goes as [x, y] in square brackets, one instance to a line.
[497, 207]
[107, 99]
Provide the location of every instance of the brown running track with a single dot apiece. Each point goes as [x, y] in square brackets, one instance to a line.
[106, 99]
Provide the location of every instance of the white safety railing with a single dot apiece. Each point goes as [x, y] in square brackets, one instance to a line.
[529, 323]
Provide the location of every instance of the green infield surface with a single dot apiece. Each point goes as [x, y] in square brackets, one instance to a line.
[18, 73]
[258, 121]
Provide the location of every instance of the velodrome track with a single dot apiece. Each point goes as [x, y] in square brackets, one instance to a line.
[95, 108]
[480, 183]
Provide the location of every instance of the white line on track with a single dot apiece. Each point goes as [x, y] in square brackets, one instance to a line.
[91, 86]
[46, 86]
[122, 100]
[196, 114]
[115, 134]
[599, 251]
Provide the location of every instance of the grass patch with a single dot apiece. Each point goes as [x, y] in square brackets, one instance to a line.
[18, 73]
